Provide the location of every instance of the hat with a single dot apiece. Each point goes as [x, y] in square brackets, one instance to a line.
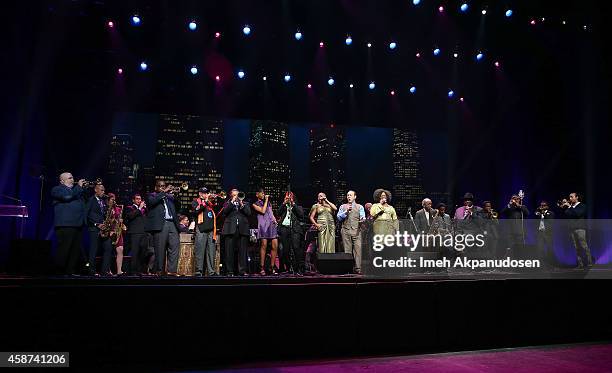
[203, 190]
[468, 197]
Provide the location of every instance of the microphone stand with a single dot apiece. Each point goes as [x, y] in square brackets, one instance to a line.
[412, 220]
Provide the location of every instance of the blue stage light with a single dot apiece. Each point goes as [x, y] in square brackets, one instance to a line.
[436, 51]
[331, 81]
[298, 35]
[372, 85]
[392, 45]
[479, 56]
[135, 20]
[193, 26]
[509, 13]
[241, 74]
[416, 2]
[246, 30]
[348, 40]
[143, 66]
[464, 7]
[287, 78]
[451, 93]
[413, 89]
[194, 70]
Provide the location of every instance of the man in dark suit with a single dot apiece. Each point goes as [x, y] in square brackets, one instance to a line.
[236, 232]
[137, 236]
[290, 232]
[69, 217]
[544, 239]
[424, 217]
[516, 213]
[576, 211]
[162, 222]
[95, 212]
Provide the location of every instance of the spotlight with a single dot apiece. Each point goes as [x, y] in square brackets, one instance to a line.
[455, 54]
[287, 78]
[217, 35]
[484, 11]
[241, 74]
[584, 27]
[143, 66]
[479, 56]
[265, 78]
[461, 99]
[418, 55]
[218, 78]
[119, 71]
[309, 86]
[372, 85]
[369, 45]
[436, 51]
[497, 64]
[416, 2]
[351, 85]
[563, 22]
[509, 13]
[533, 22]
[135, 20]
[193, 26]
[464, 7]
[392, 45]
[298, 35]
[451, 93]
[331, 81]
[321, 44]
[348, 40]
[440, 9]
[110, 24]
[194, 70]
[392, 93]
[246, 30]
[413, 89]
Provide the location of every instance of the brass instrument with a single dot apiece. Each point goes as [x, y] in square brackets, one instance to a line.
[434, 228]
[107, 226]
[241, 196]
[91, 184]
[494, 214]
[177, 189]
[563, 203]
[119, 227]
[222, 194]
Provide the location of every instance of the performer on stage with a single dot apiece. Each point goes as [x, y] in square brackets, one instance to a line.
[322, 217]
[384, 215]
[290, 231]
[445, 225]
[576, 211]
[516, 212]
[117, 230]
[544, 238]
[96, 212]
[351, 215]
[490, 228]
[162, 223]
[424, 217]
[236, 232]
[69, 217]
[137, 237]
[468, 210]
[206, 232]
[183, 224]
[267, 230]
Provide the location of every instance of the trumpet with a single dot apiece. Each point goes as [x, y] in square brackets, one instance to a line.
[91, 184]
[177, 189]
[241, 196]
[222, 194]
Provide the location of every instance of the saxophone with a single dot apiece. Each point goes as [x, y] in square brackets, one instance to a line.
[119, 227]
[107, 225]
[434, 228]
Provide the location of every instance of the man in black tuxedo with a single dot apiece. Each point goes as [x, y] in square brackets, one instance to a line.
[576, 211]
[290, 232]
[544, 239]
[95, 211]
[516, 213]
[424, 217]
[162, 222]
[69, 217]
[235, 232]
[137, 236]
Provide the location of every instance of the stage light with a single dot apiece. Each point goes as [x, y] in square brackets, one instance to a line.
[418, 55]
[461, 99]
[464, 7]
[193, 70]
[451, 93]
[484, 12]
[348, 40]
[298, 35]
[416, 2]
[218, 78]
[372, 85]
[119, 71]
[369, 45]
[413, 89]
[392, 45]
[110, 24]
[246, 30]
[143, 66]
[533, 22]
[479, 56]
[309, 86]
[331, 81]
[455, 54]
[436, 51]
[265, 78]
[563, 22]
[509, 13]
[217, 35]
[135, 20]
[193, 26]
[497, 64]
[241, 74]
[287, 78]
[392, 93]
[351, 85]
[321, 44]
[440, 9]
[584, 27]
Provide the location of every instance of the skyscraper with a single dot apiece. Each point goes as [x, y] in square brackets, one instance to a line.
[407, 181]
[269, 158]
[328, 161]
[189, 152]
[120, 176]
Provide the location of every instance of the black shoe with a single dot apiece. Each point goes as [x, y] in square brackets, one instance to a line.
[198, 274]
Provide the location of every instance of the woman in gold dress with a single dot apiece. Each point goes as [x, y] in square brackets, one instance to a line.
[385, 218]
[322, 216]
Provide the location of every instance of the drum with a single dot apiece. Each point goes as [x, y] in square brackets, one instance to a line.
[186, 262]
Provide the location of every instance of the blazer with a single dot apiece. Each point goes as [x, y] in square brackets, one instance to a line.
[235, 219]
[420, 220]
[68, 206]
[577, 215]
[94, 214]
[297, 215]
[134, 220]
[156, 217]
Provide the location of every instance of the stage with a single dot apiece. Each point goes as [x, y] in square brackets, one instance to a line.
[184, 323]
